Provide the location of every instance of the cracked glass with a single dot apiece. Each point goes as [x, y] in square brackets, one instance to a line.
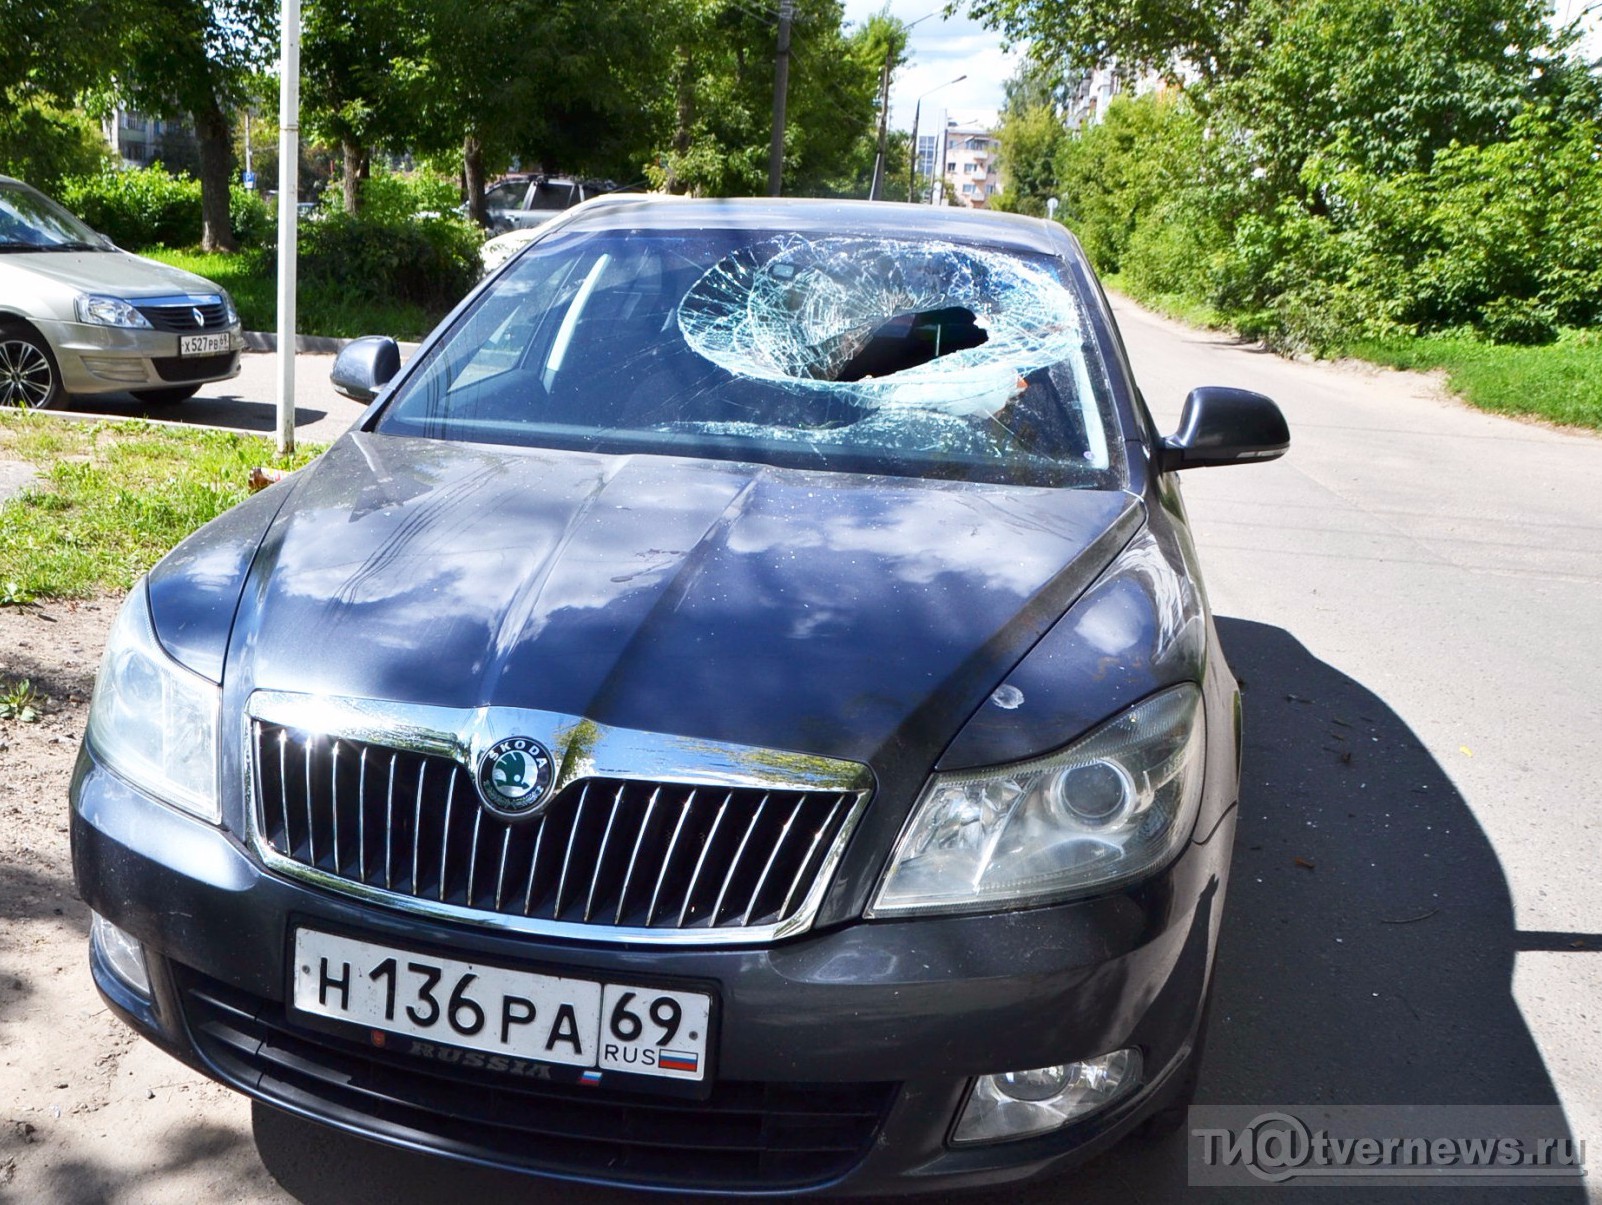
[900, 355]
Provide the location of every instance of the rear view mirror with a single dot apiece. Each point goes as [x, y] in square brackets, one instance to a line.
[364, 366]
[1220, 425]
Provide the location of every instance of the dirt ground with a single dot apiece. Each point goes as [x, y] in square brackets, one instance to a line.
[75, 1083]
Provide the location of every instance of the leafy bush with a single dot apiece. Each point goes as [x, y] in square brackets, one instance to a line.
[140, 207]
[431, 262]
[253, 219]
[392, 196]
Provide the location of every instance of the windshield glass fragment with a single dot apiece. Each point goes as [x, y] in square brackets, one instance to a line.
[896, 355]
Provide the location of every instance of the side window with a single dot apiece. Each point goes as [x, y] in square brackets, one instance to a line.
[507, 195]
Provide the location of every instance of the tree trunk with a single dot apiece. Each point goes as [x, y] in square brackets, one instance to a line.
[354, 157]
[473, 178]
[216, 173]
[685, 119]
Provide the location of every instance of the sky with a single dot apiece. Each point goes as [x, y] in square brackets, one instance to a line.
[942, 49]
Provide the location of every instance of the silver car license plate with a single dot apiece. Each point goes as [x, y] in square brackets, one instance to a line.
[202, 345]
[520, 1014]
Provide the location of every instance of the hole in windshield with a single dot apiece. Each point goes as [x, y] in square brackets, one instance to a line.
[908, 340]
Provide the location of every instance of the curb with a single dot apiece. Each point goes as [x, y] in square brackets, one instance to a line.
[313, 344]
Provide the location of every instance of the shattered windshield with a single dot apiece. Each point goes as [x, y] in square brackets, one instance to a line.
[899, 355]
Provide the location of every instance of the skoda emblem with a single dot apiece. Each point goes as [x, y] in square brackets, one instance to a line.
[514, 777]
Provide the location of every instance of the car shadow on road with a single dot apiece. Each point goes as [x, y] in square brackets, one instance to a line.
[208, 409]
[1366, 958]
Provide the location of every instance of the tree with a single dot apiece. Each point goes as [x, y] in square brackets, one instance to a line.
[197, 57]
[722, 88]
[558, 83]
[350, 97]
[1212, 37]
[1031, 138]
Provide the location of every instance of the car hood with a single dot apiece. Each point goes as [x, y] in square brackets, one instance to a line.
[853, 616]
[114, 272]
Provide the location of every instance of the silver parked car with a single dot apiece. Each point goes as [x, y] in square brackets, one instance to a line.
[78, 315]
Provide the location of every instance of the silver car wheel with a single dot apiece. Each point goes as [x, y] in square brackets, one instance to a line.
[27, 378]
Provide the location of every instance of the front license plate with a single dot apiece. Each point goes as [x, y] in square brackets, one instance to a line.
[519, 1014]
[202, 345]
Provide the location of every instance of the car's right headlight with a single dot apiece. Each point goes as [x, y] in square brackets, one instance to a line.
[110, 311]
[1108, 809]
[152, 721]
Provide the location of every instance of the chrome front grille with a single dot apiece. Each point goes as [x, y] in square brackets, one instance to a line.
[611, 856]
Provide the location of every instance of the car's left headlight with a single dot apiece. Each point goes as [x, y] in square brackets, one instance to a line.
[152, 721]
[229, 311]
[110, 311]
[1109, 808]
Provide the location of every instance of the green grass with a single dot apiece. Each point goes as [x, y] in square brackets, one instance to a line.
[1178, 306]
[252, 281]
[1561, 382]
[112, 498]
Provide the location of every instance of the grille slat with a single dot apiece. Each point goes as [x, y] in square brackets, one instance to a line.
[361, 817]
[667, 860]
[608, 853]
[634, 857]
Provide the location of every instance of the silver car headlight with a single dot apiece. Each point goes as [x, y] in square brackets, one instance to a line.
[110, 311]
[229, 311]
[152, 721]
[1109, 808]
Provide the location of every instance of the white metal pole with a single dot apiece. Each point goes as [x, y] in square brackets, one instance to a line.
[288, 216]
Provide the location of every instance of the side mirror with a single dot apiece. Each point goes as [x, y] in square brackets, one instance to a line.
[1220, 425]
[365, 366]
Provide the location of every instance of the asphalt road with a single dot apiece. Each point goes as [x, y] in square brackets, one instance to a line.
[1411, 598]
[248, 402]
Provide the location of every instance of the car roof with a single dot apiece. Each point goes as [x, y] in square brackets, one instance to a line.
[806, 215]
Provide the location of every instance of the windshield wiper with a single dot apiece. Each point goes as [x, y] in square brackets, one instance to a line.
[74, 246]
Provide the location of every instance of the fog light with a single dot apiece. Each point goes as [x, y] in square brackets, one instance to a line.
[120, 952]
[1016, 1104]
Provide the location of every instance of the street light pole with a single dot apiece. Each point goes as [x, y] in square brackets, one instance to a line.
[912, 154]
[288, 217]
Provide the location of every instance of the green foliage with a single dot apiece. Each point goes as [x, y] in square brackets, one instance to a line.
[139, 207]
[1561, 383]
[1115, 175]
[716, 124]
[1031, 141]
[113, 498]
[397, 196]
[1378, 172]
[253, 219]
[19, 701]
[428, 262]
[43, 145]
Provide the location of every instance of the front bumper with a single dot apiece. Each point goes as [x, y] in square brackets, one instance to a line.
[107, 359]
[843, 1056]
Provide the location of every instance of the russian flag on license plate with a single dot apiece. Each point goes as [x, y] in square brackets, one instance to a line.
[679, 1060]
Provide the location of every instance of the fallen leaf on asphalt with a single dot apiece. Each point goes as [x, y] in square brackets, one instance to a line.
[1304, 863]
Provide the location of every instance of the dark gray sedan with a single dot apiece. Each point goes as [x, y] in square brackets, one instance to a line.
[738, 714]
